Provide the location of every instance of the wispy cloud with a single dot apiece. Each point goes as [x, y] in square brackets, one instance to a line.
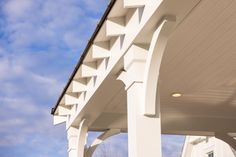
[48, 24]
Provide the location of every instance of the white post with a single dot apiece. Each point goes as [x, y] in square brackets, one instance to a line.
[77, 139]
[141, 77]
[144, 132]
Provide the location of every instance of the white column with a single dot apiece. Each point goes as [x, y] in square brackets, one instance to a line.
[144, 132]
[141, 78]
[77, 139]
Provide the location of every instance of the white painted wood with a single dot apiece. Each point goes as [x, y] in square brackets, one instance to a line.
[196, 146]
[144, 133]
[134, 62]
[77, 139]
[89, 69]
[71, 99]
[115, 26]
[227, 138]
[155, 53]
[59, 119]
[63, 111]
[83, 129]
[100, 50]
[79, 85]
[134, 3]
[135, 54]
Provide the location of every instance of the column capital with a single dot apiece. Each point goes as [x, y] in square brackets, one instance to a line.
[134, 65]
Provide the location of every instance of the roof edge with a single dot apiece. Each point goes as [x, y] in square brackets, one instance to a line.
[90, 42]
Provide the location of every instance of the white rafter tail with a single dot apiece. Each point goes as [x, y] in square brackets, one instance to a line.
[134, 3]
[91, 82]
[89, 69]
[89, 56]
[100, 50]
[59, 119]
[115, 26]
[79, 85]
[63, 111]
[71, 99]
[101, 36]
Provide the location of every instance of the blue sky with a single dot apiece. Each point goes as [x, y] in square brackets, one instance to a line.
[40, 43]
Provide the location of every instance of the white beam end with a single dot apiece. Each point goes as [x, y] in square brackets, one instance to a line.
[79, 85]
[63, 111]
[71, 99]
[134, 3]
[59, 119]
[115, 26]
[100, 50]
[89, 69]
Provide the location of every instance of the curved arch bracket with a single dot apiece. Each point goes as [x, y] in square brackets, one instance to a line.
[100, 139]
[153, 63]
[226, 138]
[77, 139]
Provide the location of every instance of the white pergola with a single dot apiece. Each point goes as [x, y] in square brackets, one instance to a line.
[152, 67]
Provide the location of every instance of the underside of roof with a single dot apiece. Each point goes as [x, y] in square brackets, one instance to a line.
[198, 62]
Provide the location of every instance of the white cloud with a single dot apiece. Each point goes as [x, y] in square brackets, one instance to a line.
[11, 140]
[11, 122]
[46, 23]
[18, 105]
[23, 121]
[95, 7]
[18, 8]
